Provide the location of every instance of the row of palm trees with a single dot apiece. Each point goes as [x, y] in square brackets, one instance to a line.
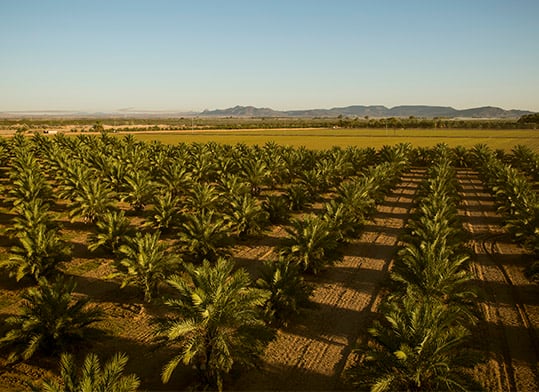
[517, 201]
[421, 341]
[202, 196]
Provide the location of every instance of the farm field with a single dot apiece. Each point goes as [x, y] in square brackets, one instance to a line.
[316, 138]
[261, 203]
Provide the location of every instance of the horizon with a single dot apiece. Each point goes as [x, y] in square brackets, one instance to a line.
[180, 56]
[187, 112]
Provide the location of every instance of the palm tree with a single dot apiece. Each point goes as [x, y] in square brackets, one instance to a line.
[31, 214]
[112, 230]
[246, 216]
[92, 200]
[38, 253]
[27, 181]
[202, 197]
[145, 263]
[418, 347]
[256, 173]
[298, 196]
[49, 321]
[205, 236]
[175, 177]
[165, 214]
[138, 189]
[218, 323]
[277, 208]
[92, 377]
[311, 243]
[288, 290]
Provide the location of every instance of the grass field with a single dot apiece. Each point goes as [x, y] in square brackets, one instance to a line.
[326, 138]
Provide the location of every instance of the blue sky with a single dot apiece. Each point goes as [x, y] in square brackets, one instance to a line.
[105, 55]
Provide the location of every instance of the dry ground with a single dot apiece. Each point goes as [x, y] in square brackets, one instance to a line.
[313, 351]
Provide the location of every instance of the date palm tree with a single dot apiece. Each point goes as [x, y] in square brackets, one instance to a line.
[218, 321]
[419, 346]
[145, 263]
[165, 214]
[256, 173]
[311, 243]
[139, 189]
[277, 208]
[50, 321]
[38, 253]
[246, 216]
[112, 230]
[288, 291]
[92, 200]
[202, 197]
[92, 376]
[204, 236]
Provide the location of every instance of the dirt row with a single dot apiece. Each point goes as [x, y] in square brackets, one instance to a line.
[509, 301]
[313, 352]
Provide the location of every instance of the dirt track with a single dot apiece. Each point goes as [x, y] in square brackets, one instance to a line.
[510, 302]
[312, 354]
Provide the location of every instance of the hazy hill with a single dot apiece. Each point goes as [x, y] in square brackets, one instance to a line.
[424, 111]
[373, 111]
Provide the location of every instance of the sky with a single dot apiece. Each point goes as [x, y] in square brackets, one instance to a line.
[110, 55]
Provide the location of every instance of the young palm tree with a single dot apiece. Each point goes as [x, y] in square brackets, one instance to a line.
[218, 324]
[175, 177]
[38, 253]
[288, 291]
[50, 320]
[205, 236]
[28, 182]
[92, 377]
[31, 214]
[165, 214]
[419, 347]
[256, 173]
[298, 196]
[202, 197]
[92, 200]
[139, 189]
[145, 263]
[311, 244]
[277, 208]
[112, 230]
[246, 216]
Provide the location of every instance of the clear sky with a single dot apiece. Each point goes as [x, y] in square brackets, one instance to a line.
[105, 55]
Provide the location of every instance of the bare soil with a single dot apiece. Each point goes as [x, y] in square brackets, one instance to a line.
[510, 302]
[314, 351]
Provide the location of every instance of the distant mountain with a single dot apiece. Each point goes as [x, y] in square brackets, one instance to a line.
[374, 111]
[371, 111]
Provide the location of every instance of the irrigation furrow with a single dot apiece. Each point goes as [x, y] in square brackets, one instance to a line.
[511, 334]
[312, 354]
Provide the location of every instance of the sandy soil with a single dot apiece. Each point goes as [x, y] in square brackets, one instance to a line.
[510, 304]
[312, 353]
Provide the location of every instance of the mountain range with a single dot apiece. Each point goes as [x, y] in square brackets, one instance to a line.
[370, 111]
[374, 111]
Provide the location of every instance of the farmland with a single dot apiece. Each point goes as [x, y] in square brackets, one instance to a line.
[377, 138]
[137, 221]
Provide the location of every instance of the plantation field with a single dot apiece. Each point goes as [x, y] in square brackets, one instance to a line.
[320, 139]
[310, 249]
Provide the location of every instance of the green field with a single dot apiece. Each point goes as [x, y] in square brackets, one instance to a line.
[326, 138]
